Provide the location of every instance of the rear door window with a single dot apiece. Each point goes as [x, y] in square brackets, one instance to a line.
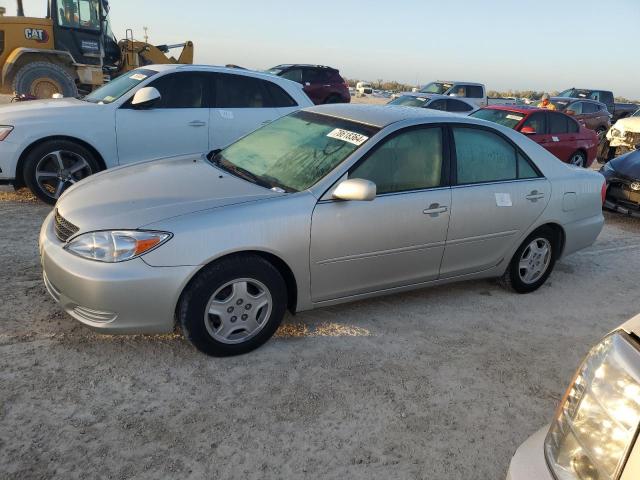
[241, 91]
[458, 106]
[576, 108]
[277, 96]
[588, 107]
[558, 124]
[474, 91]
[439, 104]
[294, 74]
[483, 156]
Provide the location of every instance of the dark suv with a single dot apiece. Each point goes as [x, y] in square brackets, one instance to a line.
[322, 84]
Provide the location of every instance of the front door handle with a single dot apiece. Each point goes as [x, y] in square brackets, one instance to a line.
[197, 123]
[534, 196]
[435, 209]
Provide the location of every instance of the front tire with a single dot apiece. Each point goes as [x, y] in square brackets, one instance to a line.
[233, 306]
[533, 262]
[53, 166]
[43, 79]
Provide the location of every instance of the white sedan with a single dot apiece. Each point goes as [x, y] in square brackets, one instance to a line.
[155, 111]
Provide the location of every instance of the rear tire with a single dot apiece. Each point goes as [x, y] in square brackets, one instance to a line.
[533, 262]
[53, 166]
[233, 306]
[579, 159]
[43, 79]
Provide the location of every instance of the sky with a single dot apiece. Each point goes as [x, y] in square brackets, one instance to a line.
[505, 44]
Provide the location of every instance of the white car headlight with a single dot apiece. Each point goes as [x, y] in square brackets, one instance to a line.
[116, 245]
[598, 418]
[5, 130]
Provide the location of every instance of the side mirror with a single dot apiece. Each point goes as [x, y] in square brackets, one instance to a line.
[146, 97]
[528, 130]
[355, 189]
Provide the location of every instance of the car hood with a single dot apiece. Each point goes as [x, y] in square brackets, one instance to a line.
[627, 165]
[134, 196]
[40, 108]
[629, 124]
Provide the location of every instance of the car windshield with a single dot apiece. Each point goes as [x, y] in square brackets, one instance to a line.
[506, 118]
[437, 87]
[410, 101]
[294, 152]
[637, 114]
[118, 87]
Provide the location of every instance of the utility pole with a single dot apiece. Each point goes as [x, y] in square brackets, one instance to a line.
[146, 34]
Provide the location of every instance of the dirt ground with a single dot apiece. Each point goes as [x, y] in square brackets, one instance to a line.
[438, 383]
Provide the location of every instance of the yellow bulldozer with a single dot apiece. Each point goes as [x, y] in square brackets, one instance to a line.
[72, 51]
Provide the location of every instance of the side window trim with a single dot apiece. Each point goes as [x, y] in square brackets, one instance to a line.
[445, 176]
[517, 150]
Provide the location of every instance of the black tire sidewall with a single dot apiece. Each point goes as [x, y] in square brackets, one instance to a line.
[196, 296]
[32, 71]
[40, 151]
[515, 281]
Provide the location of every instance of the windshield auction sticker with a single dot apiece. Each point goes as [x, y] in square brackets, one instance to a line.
[138, 77]
[347, 136]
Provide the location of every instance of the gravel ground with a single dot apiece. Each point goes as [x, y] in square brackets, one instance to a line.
[438, 383]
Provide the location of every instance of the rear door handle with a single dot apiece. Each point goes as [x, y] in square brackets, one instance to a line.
[197, 123]
[435, 209]
[535, 196]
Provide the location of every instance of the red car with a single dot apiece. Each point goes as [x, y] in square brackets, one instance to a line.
[557, 132]
[321, 83]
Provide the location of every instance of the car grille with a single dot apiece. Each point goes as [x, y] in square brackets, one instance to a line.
[64, 228]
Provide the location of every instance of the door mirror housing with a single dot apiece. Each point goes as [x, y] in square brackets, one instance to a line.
[357, 189]
[146, 97]
[528, 130]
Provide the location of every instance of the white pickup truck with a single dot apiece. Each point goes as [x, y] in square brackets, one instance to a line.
[475, 92]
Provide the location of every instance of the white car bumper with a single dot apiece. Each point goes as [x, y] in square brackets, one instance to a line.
[9, 153]
[529, 463]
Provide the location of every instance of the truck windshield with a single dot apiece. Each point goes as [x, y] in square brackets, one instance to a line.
[79, 14]
[294, 152]
[118, 87]
[437, 87]
[575, 93]
[506, 118]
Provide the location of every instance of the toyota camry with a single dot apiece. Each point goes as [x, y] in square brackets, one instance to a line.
[326, 205]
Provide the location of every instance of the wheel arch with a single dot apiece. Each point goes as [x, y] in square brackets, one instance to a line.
[19, 182]
[561, 235]
[273, 259]
[20, 56]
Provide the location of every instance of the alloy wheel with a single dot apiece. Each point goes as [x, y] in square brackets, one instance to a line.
[535, 260]
[60, 169]
[577, 159]
[238, 310]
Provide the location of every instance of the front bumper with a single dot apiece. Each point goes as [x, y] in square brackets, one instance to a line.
[529, 463]
[128, 297]
[9, 155]
[620, 196]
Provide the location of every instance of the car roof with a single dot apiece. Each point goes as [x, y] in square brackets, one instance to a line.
[208, 68]
[459, 81]
[575, 99]
[378, 115]
[292, 65]
[526, 109]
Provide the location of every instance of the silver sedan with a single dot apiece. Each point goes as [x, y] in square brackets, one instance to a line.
[327, 205]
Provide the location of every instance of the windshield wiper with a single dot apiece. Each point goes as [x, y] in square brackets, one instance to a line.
[233, 169]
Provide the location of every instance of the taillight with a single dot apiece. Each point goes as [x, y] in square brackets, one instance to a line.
[603, 191]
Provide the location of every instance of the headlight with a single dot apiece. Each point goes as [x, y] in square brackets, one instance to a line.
[117, 245]
[598, 418]
[5, 130]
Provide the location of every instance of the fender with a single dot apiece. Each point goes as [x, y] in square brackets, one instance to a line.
[16, 54]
